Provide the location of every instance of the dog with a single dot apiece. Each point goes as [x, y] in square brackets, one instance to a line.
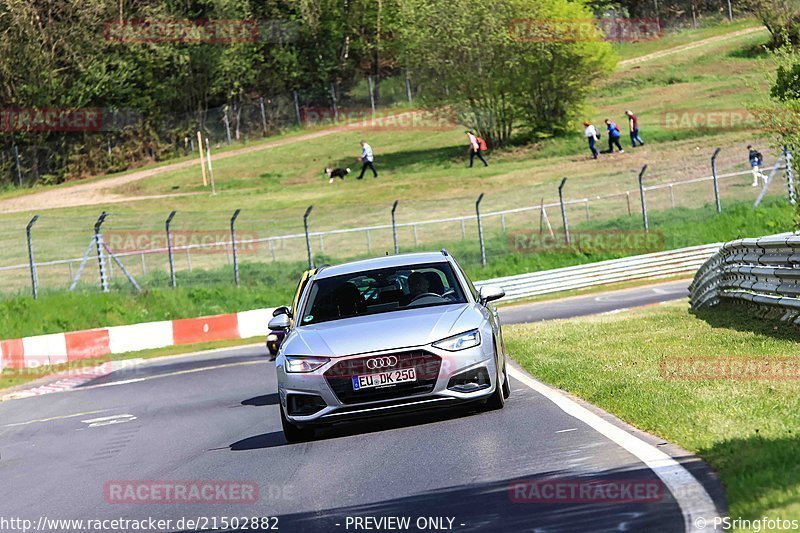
[334, 173]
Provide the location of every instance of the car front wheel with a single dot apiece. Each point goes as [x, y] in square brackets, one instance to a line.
[497, 400]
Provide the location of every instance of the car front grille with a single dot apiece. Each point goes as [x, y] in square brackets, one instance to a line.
[426, 365]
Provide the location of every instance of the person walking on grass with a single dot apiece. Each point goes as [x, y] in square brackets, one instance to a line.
[476, 146]
[592, 136]
[756, 160]
[367, 159]
[613, 137]
[633, 127]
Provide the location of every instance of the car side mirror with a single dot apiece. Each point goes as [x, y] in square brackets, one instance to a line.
[281, 322]
[490, 293]
[282, 310]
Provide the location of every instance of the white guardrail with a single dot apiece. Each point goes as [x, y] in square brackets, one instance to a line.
[763, 271]
[639, 267]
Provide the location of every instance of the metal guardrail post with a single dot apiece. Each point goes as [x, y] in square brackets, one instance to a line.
[233, 247]
[480, 230]
[308, 241]
[714, 175]
[787, 156]
[563, 210]
[98, 241]
[394, 227]
[169, 250]
[34, 277]
[644, 201]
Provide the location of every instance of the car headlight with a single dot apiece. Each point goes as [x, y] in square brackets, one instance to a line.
[304, 364]
[462, 341]
[272, 337]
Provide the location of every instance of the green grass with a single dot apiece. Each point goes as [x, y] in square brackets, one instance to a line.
[70, 311]
[207, 292]
[745, 429]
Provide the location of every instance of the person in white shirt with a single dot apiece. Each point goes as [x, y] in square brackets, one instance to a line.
[367, 159]
[591, 135]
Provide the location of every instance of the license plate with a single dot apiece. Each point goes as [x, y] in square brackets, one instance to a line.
[382, 379]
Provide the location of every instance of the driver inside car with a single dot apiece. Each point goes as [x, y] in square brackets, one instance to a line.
[418, 284]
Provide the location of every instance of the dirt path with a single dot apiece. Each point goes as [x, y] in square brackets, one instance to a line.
[100, 191]
[686, 47]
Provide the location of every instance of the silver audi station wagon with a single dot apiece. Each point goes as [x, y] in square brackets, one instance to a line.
[387, 335]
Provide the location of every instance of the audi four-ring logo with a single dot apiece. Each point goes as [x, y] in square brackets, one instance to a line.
[381, 362]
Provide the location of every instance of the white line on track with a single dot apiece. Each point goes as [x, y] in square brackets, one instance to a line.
[696, 505]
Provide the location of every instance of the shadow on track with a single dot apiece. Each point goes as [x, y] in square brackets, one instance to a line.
[347, 429]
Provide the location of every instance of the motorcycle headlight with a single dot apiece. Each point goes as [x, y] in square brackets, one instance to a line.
[462, 341]
[304, 364]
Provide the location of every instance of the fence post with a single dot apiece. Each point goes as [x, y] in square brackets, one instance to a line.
[714, 175]
[169, 250]
[202, 161]
[297, 108]
[787, 157]
[480, 229]
[233, 247]
[308, 241]
[369, 243]
[34, 277]
[210, 170]
[227, 126]
[263, 115]
[371, 93]
[394, 228]
[408, 87]
[98, 241]
[19, 171]
[644, 202]
[563, 210]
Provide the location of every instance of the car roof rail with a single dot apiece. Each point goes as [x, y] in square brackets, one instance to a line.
[444, 252]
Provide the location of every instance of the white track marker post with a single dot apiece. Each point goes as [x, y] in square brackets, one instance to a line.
[543, 217]
[210, 170]
[202, 162]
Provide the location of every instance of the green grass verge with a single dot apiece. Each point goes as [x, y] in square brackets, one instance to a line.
[745, 429]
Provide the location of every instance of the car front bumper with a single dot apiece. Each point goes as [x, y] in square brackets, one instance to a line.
[328, 391]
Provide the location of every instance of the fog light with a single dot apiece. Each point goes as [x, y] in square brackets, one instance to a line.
[304, 404]
[470, 381]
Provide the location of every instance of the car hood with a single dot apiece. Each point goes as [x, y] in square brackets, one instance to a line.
[383, 331]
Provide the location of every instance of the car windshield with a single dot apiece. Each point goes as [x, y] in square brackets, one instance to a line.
[382, 291]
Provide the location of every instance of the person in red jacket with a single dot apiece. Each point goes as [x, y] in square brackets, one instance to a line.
[476, 146]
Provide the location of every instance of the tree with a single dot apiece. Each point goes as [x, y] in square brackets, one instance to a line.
[498, 65]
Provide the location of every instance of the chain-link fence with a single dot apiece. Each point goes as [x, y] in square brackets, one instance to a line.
[202, 249]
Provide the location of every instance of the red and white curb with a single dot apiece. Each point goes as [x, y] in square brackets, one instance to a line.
[58, 348]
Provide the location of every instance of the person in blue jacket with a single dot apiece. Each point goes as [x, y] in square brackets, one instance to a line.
[613, 137]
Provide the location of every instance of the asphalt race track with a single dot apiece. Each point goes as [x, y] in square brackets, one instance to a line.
[215, 417]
